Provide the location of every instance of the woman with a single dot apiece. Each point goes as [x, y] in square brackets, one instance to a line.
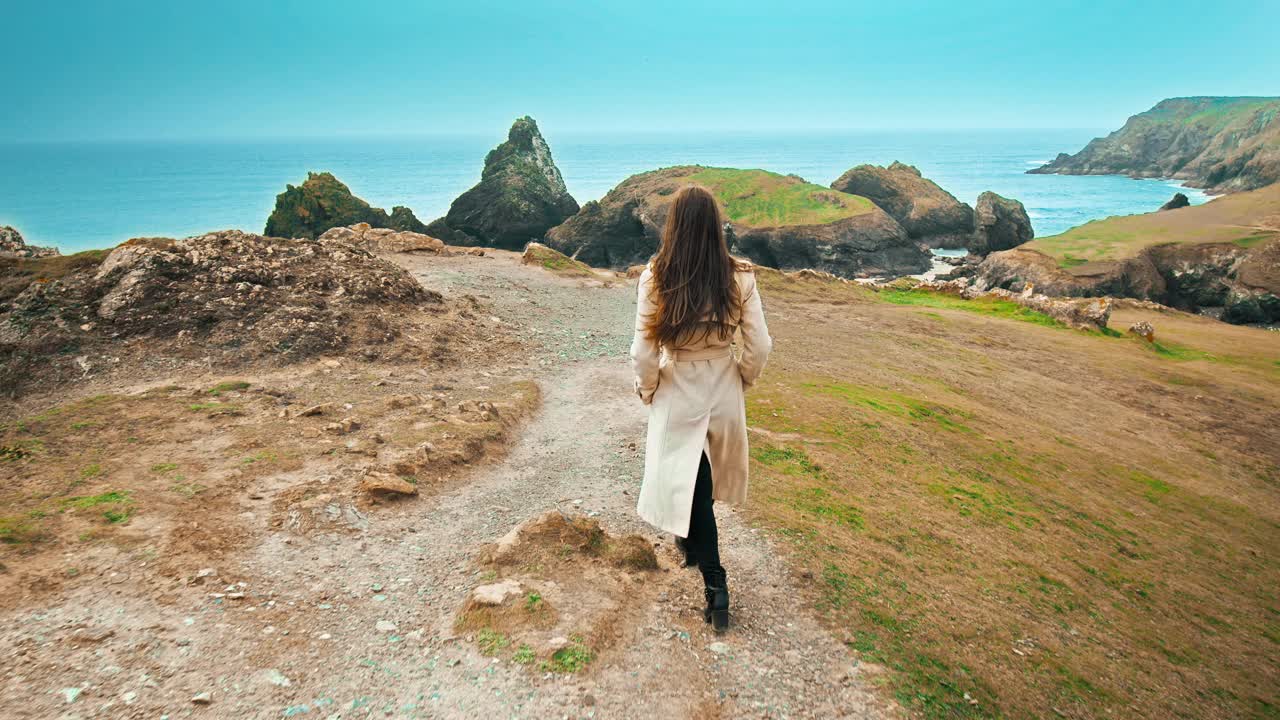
[693, 296]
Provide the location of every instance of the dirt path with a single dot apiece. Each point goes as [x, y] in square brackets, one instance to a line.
[341, 624]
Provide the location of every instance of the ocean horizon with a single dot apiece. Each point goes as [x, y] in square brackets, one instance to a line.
[95, 194]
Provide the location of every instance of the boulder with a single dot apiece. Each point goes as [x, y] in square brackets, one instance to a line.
[921, 207]
[12, 245]
[323, 202]
[495, 594]
[1177, 201]
[520, 196]
[377, 482]
[1000, 223]
[777, 221]
[1144, 330]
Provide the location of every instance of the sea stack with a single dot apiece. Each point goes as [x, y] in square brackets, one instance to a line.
[323, 202]
[520, 196]
[926, 211]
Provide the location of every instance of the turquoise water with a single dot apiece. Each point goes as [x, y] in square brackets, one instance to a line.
[78, 196]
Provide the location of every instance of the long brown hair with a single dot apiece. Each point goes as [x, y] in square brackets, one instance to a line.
[693, 285]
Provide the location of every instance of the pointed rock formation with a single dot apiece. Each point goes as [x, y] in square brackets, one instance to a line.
[520, 196]
[926, 211]
[323, 202]
[1000, 224]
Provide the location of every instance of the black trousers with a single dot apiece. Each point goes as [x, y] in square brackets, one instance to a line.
[703, 541]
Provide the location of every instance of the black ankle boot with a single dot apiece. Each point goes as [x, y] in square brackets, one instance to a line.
[683, 546]
[717, 610]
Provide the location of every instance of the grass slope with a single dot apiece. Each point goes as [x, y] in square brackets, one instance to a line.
[765, 199]
[1020, 520]
[1246, 218]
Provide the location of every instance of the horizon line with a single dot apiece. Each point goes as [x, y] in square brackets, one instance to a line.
[482, 134]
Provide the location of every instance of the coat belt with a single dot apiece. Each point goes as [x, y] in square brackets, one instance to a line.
[702, 354]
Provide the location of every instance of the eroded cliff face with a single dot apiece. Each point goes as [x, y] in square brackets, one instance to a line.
[1224, 144]
[1240, 284]
[521, 195]
[835, 232]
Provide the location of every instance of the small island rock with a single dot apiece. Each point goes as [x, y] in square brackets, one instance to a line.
[520, 196]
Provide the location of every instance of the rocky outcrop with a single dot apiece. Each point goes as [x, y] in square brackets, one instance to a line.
[521, 196]
[926, 211]
[1000, 224]
[1224, 144]
[1078, 313]
[323, 202]
[835, 232]
[1240, 284]
[384, 239]
[1177, 201]
[224, 297]
[12, 245]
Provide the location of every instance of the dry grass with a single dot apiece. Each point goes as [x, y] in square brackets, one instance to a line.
[1247, 219]
[1028, 521]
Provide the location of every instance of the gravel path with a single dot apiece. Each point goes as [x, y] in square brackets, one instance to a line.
[342, 625]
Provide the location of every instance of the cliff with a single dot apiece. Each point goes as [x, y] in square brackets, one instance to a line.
[1223, 144]
[1222, 256]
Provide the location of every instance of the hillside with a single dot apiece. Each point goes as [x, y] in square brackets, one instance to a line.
[758, 198]
[1245, 219]
[1221, 258]
[1223, 144]
[960, 507]
[779, 221]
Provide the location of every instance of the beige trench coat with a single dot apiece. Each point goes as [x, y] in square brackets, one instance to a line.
[695, 399]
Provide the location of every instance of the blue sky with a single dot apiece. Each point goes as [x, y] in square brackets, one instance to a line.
[236, 69]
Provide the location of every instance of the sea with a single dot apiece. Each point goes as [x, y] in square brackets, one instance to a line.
[85, 195]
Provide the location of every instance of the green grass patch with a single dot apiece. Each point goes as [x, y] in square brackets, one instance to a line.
[819, 503]
[524, 655]
[888, 402]
[228, 386]
[491, 642]
[1175, 351]
[19, 530]
[765, 199]
[1255, 239]
[186, 489]
[791, 461]
[116, 506]
[571, 658]
[164, 468]
[991, 307]
[1152, 488]
[215, 409]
